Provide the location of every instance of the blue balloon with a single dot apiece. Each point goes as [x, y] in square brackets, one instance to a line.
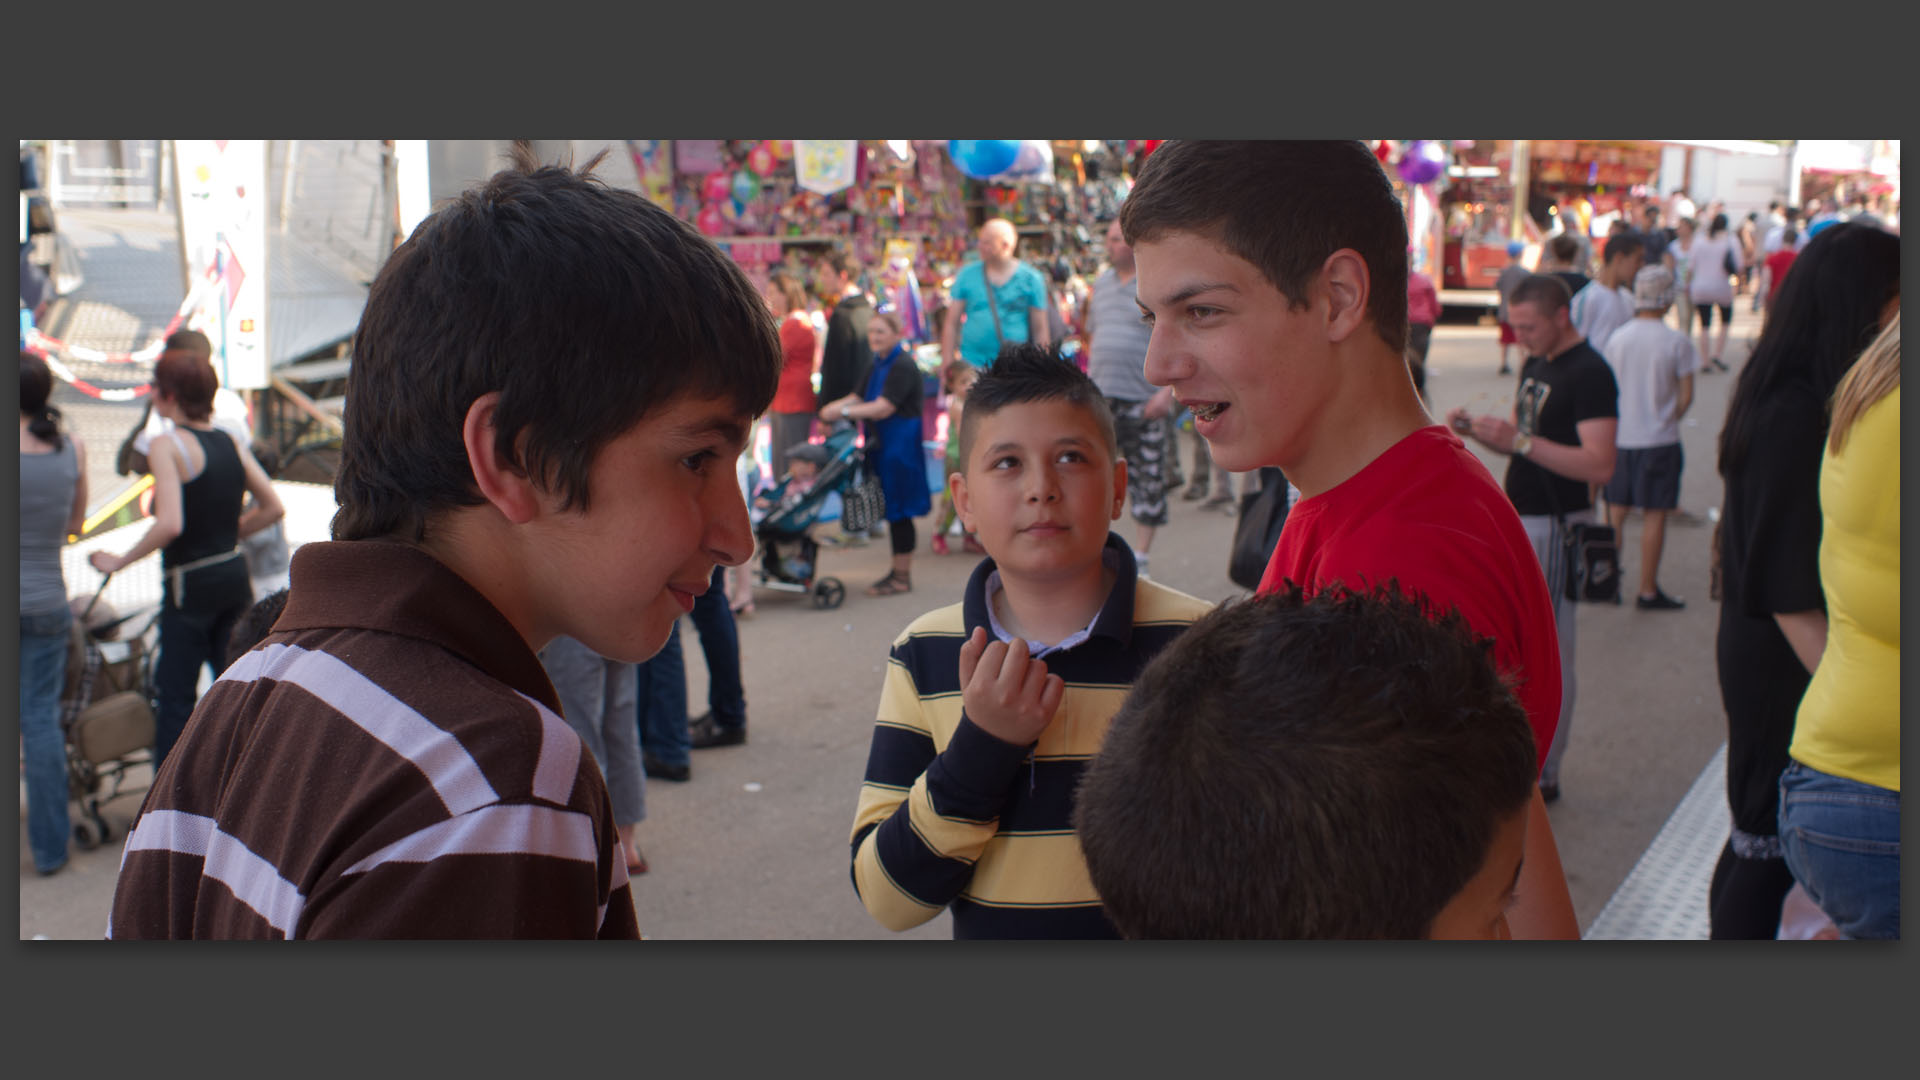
[982, 158]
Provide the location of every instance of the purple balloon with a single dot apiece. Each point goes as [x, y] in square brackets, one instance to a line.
[1423, 161]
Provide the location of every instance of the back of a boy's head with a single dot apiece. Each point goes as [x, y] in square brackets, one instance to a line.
[1283, 205]
[1025, 373]
[1332, 767]
[254, 625]
[586, 306]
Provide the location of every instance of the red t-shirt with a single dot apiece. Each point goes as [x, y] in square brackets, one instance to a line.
[796, 368]
[1429, 514]
[1777, 264]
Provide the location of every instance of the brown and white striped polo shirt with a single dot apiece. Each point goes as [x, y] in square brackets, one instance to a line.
[389, 763]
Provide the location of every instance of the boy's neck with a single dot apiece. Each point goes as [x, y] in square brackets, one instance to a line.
[1372, 408]
[454, 540]
[1048, 610]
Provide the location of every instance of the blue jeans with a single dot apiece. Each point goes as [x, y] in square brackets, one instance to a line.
[720, 644]
[189, 640]
[663, 679]
[43, 672]
[1842, 842]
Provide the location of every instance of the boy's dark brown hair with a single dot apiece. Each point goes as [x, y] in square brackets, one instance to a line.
[253, 626]
[1547, 291]
[1284, 206]
[1027, 372]
[1332, 767]
[586, 306]
[1621, 246]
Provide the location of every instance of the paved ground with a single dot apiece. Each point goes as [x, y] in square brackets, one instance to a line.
[755, 846]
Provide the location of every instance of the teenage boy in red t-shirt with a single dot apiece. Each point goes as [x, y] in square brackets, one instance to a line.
[1272, 272]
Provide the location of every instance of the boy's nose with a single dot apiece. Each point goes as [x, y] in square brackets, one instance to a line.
[1042, 486]
[729, 532]
[1160, 364]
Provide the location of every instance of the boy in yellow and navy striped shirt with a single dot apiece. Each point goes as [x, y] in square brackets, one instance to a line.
[992, 707]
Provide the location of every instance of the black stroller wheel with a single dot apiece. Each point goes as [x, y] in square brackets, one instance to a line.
[84, 836]
[828, 593]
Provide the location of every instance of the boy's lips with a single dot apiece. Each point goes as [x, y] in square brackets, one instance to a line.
[1204, 411]
[685, 595]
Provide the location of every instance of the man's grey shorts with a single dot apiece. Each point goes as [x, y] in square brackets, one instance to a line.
[1648, 478]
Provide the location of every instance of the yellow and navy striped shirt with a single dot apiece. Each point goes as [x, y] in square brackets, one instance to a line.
[952, 816]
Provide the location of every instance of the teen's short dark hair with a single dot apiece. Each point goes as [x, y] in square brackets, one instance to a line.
[585, 306]
[1332, 767]
[1025, 373]
[1564, 247]
[187, 376]
[1621, 247]
[254, 625]
[190, 340]
[1546, 290]
[842, 263]
[1284, 206]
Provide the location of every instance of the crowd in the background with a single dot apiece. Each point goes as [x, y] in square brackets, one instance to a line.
[1334, 757]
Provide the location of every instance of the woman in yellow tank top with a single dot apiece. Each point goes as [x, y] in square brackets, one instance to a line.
[1840, 798]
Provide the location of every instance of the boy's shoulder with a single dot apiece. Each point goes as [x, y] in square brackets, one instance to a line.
[1156, 603]
[948, 621]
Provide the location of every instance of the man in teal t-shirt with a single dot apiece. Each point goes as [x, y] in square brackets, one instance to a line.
[1012, 288]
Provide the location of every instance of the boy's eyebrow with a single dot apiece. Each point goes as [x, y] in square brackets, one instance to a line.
[1015, 444]
[1190, 292]
[726, 427]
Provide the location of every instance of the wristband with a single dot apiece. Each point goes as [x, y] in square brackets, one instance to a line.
[843, 412]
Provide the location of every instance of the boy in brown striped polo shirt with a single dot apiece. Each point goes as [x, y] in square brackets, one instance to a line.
[551, 382]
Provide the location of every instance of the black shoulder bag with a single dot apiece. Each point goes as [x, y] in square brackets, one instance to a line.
[1589, 556]
[1257, 532]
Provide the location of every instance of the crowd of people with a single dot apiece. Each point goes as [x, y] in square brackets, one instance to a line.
[449, 726]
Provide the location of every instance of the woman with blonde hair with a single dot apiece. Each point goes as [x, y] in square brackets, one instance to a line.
[891, 406]
[1840, 796]
[1773, 610]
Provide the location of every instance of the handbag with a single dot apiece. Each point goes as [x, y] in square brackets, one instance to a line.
[1727, 260]
[864, 504]
[1257, 531]
[39, 215]
[1589, 558]
[1591, 555]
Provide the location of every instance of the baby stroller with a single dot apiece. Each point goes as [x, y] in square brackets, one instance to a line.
[106, 709]
[788, 552]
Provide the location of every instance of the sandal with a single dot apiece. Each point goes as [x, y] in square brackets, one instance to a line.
[891, 585]
[939, 543]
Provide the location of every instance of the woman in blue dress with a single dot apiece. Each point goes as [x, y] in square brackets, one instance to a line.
[890, 403]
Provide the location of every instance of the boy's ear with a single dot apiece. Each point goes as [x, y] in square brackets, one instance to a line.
[1344, 276]
[1119, 487]
[962, 504]
[501, 482]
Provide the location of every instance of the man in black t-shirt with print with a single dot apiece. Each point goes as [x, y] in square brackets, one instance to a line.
[1561, 441]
